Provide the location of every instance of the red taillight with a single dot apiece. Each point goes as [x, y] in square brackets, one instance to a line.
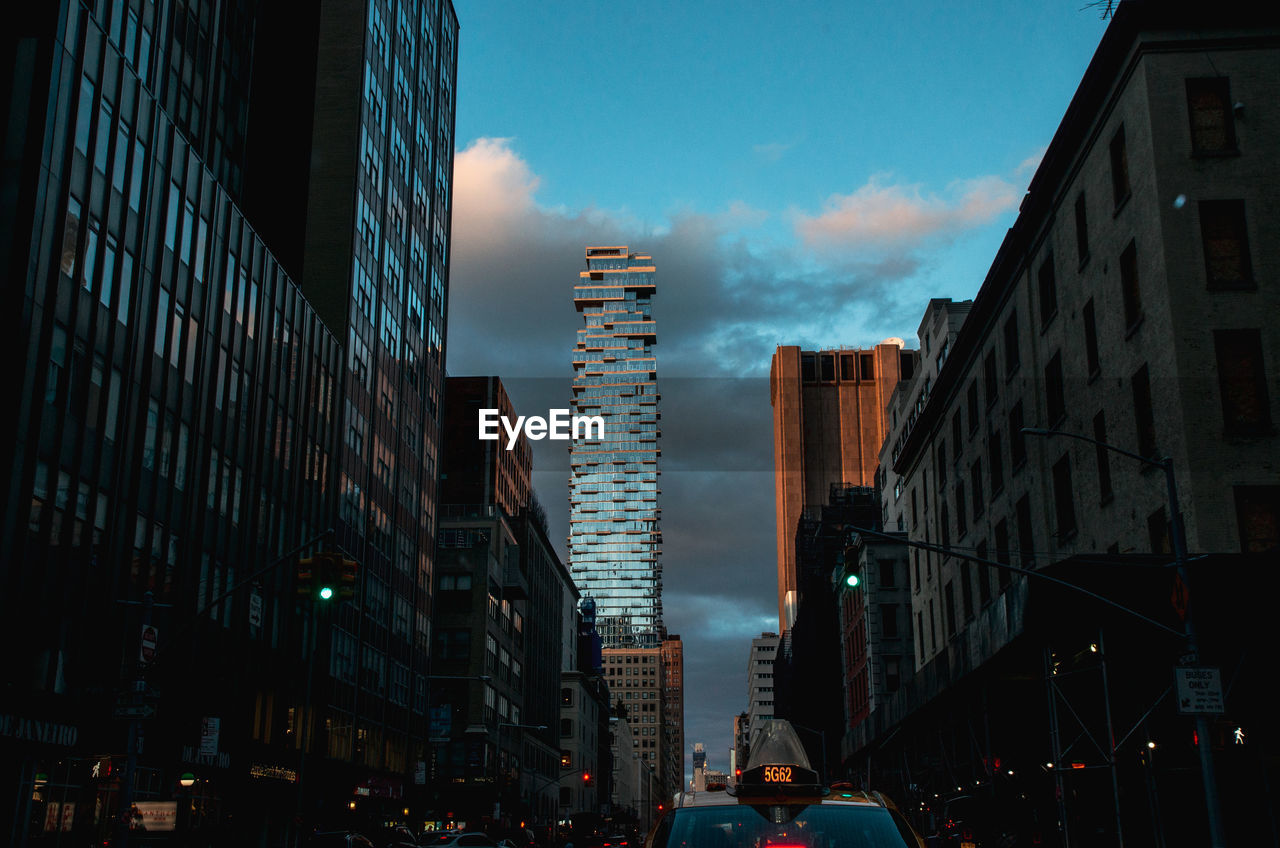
[967, 835]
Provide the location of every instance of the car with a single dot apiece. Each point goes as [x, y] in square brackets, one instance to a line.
[397, 836]
[779, 803]
[457, 839]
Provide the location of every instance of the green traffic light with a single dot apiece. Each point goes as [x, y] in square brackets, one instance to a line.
[852, 581]
[326, 593]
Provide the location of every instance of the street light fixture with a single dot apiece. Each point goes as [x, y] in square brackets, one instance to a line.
[1217, 836]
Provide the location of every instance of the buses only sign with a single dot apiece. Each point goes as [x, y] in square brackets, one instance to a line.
[1199, 691]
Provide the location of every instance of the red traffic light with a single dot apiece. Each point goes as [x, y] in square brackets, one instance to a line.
[585, 777]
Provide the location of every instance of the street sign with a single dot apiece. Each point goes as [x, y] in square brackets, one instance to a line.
[255, 609]
[209, 728]
[150, 637]
[1199, 690]
[134, 711]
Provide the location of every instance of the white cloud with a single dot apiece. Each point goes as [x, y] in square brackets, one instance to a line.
[884, 217]
[1028, 166]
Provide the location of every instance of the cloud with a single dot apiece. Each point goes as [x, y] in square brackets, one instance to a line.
[880, 217]
[1028, 166]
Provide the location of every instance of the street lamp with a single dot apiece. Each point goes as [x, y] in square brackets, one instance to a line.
[1217, 836]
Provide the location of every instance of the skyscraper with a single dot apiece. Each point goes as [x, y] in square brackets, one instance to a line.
[614, 538]
[199, 228]
[828, 423]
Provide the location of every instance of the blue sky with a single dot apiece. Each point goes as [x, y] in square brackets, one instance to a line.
[803, 173]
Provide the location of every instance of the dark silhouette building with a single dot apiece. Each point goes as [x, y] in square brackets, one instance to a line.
[225, 236]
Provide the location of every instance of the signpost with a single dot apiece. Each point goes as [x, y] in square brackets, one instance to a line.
[147, 645]
[1199, 690]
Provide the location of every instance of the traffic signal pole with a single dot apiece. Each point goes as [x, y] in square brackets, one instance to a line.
[124, 814]
[1213, 808]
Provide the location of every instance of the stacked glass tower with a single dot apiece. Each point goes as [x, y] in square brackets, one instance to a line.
[614, 538]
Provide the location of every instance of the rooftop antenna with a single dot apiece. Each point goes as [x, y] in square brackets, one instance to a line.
[1105, 7]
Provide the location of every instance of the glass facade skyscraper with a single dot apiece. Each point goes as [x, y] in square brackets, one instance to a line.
[225, 238]
[614, 537]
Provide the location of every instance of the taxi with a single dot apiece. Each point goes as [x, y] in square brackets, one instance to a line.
[780, 803]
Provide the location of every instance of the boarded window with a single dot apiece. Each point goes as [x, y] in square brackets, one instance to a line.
[1226, 245]
[1246, 406]
[1213, 126]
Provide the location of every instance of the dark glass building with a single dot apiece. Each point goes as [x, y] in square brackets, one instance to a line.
[220, 358]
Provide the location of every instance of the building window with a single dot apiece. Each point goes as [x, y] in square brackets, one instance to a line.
[1226, 245]
[866, 366]
[1011, 354]
[566, 697]
[892, 675]
[1119, 168]
[1143, 414]
[975, 479]
[1062, 497]
[942, 463]
[1213, 126]
[955, 436]
[846, 366]
[1103, 457]
[887, 579]
[889, 620]
[1048, 292]
[1246, 406]
[828, 368]
[1054, 396]
[989, 376]
[1258, 516]
[1082, 230]
[1129, 285]
[808, 369]
[1017, 439]
[966, 590]
[995, 459]
[973, 406]
[1091, 340]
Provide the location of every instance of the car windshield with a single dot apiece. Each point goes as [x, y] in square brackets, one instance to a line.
[781, 826]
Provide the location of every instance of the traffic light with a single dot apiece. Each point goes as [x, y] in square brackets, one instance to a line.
[347, 572]
[320, 576]
[586, 779]
[328, 576]
[306, 573]
[848, 563]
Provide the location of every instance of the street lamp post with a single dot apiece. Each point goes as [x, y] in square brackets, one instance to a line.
[1217, 836]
